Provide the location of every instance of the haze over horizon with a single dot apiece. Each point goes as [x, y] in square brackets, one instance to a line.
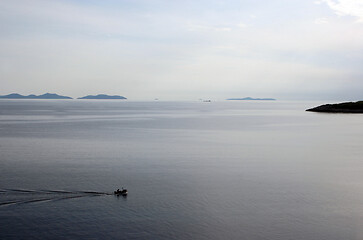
[284, 49]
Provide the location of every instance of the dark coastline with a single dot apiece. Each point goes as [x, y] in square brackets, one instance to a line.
[346, 107]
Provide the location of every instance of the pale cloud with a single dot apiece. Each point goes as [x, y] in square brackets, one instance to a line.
[197, 27]
[223, 29]
[321, 21]
[352, 8]
[205, 28]
[241, 25]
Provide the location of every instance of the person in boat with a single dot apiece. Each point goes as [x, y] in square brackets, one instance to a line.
[123, 190]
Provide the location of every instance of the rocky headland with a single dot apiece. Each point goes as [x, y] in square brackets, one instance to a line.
[346, 107]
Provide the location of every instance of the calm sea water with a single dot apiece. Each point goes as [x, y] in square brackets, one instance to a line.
[194, 170]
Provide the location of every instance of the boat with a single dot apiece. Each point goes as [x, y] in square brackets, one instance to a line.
[122, 192]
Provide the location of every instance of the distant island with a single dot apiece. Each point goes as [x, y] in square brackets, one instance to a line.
[253, 99]
[347, 107]
[102, 96]
[32, 96]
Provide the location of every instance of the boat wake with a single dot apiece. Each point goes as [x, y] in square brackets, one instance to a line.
[24, 196]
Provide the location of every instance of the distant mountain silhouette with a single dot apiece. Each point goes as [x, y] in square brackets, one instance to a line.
[254, 99]
[347, 107]
[102, 96]
[32, 96]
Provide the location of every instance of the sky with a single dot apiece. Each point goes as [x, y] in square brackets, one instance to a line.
[183, 50]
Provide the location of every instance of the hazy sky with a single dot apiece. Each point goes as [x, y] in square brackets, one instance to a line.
[187, 49]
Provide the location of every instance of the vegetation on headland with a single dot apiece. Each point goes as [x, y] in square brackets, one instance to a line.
[347, 107]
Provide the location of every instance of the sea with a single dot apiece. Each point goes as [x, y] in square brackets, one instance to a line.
[256, 170]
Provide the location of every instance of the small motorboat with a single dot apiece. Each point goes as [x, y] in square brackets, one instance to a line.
[122, 192]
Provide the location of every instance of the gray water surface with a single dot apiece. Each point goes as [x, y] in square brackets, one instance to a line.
[194, 170]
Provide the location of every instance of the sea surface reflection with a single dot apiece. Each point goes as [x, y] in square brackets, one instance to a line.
[194, 170]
